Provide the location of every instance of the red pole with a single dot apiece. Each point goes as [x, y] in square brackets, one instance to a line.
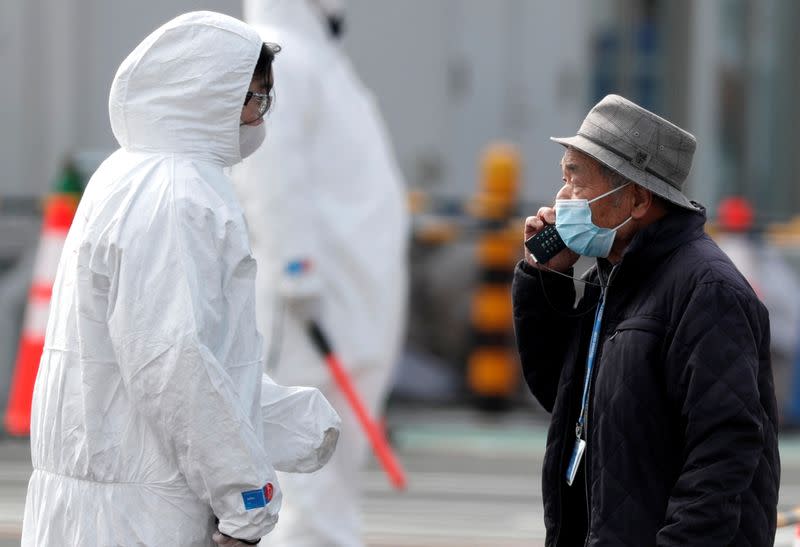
[380, 446]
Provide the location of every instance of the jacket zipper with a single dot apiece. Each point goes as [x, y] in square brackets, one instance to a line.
[570, 429]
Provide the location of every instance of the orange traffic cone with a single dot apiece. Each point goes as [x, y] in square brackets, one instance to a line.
[58, 214]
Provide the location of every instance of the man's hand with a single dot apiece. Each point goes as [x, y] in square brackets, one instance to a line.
[227, 541]
[564, 260]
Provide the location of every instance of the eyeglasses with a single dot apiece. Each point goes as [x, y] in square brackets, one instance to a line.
[264, 102]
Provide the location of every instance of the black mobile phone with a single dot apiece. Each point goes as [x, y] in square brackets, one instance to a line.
[546, 244]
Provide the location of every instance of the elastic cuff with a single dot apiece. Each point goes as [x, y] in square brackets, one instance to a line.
[298, 267]
[245, 541]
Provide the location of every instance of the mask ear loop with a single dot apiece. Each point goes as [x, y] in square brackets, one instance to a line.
[601, 196]
[547, 298]
[541, 281]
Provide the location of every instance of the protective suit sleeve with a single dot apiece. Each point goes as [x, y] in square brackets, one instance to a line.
[171, 303]
[278, 183]
[301, 428]
[712, 372]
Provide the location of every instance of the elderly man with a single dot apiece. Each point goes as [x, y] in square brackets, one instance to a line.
[658, 379]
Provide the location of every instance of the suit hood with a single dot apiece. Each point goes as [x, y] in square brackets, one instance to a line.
[302, 17]
[181, 90]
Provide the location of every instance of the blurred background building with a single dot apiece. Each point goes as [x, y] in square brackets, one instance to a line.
[451, 77]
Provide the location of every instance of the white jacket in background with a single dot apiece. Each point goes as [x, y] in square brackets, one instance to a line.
[151, 415]
[324, 190]
[329, 226]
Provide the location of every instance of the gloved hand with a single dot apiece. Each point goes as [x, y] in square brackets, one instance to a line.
[304, 308]
[300, 288]
[227, 541]
[300, 425]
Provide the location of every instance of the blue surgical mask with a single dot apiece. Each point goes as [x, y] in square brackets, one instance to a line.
[574, 225]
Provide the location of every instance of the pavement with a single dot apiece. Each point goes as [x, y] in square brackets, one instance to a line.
[473, 481]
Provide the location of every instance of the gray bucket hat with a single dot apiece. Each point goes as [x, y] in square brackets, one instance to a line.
[639, 145]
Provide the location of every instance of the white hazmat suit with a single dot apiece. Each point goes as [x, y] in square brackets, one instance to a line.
[328, 221]
[151, 415]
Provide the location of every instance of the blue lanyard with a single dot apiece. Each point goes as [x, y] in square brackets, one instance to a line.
[598, 317]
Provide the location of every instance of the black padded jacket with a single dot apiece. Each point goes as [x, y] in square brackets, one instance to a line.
[682, 427]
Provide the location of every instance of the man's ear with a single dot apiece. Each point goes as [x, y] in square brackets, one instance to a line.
[643, 202]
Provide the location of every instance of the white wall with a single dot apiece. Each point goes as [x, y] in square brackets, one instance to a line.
[58, 58]
[450, 76]
[704, 179]
[453, 75]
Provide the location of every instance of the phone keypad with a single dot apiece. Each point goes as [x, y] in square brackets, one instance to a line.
[545, 245]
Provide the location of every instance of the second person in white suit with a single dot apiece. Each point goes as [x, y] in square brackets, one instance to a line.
[328, 222]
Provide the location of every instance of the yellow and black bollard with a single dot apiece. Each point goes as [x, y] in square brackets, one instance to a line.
[492, 369]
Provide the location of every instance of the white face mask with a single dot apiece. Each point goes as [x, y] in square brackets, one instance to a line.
[574, 225]
[250, 138]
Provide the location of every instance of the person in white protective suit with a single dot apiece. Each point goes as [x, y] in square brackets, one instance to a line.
[153, 422]
[329, 226]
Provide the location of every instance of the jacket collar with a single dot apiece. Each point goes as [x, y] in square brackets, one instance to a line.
[654, 242]
[665, 235]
